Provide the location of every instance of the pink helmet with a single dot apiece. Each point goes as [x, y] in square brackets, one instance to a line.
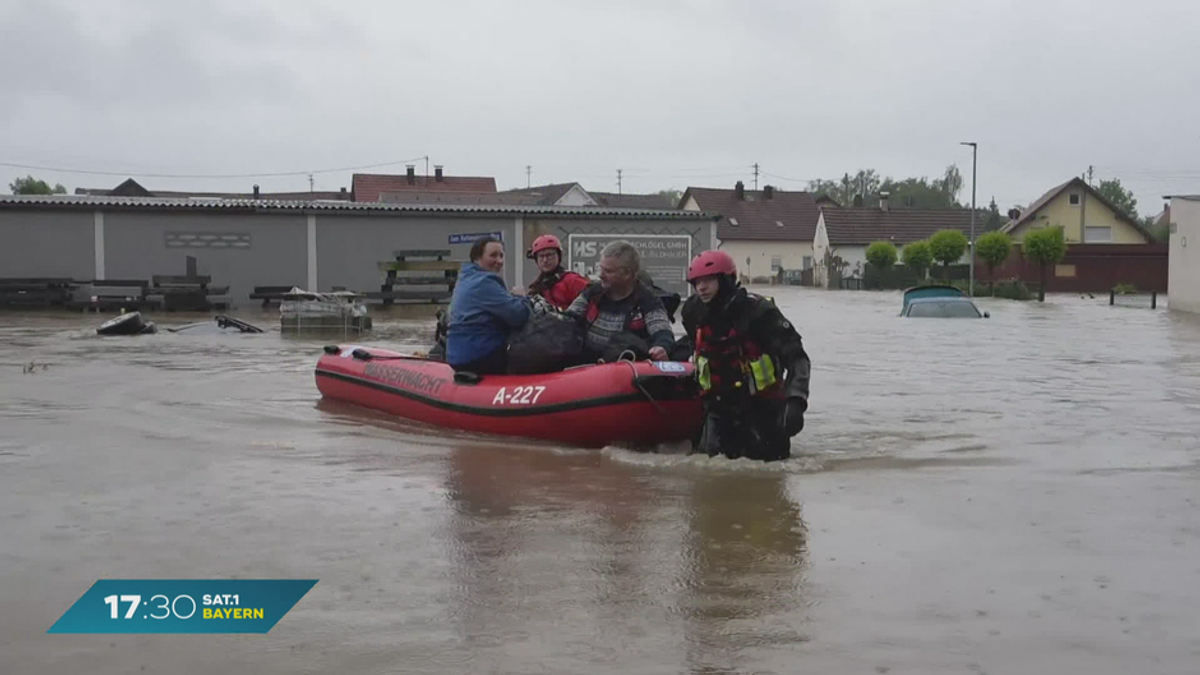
[546, 241]
[709, 263]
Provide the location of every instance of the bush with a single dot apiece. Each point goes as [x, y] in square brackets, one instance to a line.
[993, 249]
[1012, 289]
[948, 246]
[1125, 289]
[881, 254]
[1044, 247]
[918, 257]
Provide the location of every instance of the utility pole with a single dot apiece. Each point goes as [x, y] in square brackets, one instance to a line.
[528, 176]
[974, 156]
[618, 181]
[310, 182]
[756, 176]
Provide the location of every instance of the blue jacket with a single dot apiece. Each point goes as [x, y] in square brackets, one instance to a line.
[482, 314]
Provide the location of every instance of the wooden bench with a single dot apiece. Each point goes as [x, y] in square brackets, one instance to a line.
[406, 270]
[269, 294]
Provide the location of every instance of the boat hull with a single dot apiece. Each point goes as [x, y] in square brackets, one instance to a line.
[622, 403]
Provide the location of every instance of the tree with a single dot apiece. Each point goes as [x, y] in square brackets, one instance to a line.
[670, 197]
[948, 246]
[881, 254]
[32, 186]
[993, 249]
[912, 192]
[1120, 197]
[951, 183]
[918, 256]
[993, 220]
[1044, 246]
[1160, 232]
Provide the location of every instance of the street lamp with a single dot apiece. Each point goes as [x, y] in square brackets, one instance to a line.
[974, 155]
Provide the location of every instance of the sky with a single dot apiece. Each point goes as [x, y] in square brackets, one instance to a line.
[671, 92]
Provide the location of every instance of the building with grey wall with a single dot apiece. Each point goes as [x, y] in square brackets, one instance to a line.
[317, 245]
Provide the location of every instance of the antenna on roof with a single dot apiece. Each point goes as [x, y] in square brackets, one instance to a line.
[618, 181]
[756, 175]
[528, 176]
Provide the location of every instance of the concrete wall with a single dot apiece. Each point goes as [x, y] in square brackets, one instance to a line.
[243, 249]
[1074, 217]
[1184, 275]
[350, 246]
[139, 245]
[754, 258]
[58, 244]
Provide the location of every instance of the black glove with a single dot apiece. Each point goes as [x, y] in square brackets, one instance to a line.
[793, 415]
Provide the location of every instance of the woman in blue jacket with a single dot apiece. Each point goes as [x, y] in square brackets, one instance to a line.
[483, 312]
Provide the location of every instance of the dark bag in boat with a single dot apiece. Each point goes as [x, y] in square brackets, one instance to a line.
[627, 346]
[547, 343]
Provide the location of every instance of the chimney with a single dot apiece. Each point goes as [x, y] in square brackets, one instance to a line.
[768, 191]
[739, 190]
[437, 172]
[412, 174]
[884, 204]
[858, 200]
[343, 194]
[256, 191]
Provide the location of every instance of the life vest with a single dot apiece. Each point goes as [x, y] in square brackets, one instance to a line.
[635, 321]
[560, 287]
[733, 361]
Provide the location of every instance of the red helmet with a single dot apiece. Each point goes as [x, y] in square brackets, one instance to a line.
[709, 263]
[546, 241]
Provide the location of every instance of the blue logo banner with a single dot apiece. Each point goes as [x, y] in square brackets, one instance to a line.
[470, 238]
[182, 606]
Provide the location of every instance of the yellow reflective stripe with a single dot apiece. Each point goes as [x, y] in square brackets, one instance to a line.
[703, 375]
[764, 372]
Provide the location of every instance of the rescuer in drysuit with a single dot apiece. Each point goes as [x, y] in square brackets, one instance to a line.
[751, 365]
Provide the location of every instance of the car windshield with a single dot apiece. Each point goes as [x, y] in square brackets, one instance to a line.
[946, 309]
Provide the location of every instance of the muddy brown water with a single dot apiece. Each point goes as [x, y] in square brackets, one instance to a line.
[1012, 495]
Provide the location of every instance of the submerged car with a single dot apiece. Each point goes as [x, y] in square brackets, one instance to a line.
[939, 302]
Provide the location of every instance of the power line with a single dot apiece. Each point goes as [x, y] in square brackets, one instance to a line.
[202, 175]
[794, 180]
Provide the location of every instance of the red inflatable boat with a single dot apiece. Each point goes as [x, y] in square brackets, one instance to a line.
[626, 403]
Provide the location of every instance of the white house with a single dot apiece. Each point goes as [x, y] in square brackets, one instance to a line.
[845, 233]
[1183, 280]
[764, 230]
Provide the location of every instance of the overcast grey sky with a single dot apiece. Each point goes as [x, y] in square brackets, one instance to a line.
[675, 93]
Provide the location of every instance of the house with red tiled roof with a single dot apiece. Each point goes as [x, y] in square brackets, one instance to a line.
[558, 194]
[764, 230]
[845, 233]
[374, 187]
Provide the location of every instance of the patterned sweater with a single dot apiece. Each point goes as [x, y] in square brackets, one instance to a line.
[649, 319]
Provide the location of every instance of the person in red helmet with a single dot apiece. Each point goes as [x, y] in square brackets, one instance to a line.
[556, 285]
[751, 365]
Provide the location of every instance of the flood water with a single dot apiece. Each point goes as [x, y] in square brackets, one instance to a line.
[1019, 494]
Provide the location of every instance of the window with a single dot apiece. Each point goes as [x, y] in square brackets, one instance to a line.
[1097, 235]
[1074, 200]
[776, 263]
[733, 222]
[1064, 270]
[807, 264]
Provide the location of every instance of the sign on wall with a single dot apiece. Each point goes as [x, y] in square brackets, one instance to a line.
[664, 256]
[470, 238]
